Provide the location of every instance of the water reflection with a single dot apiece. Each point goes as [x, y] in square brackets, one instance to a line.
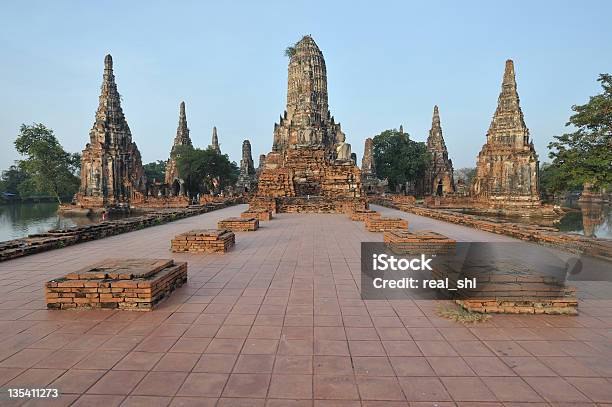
[589, 219]
[592, 220]
[20, 220]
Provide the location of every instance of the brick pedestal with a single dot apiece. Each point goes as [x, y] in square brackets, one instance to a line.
[418, 241]
[564, 305]
[260, 214]
[501, 288]
[239, 224]
[129, 284]
[204, 241]
[382, 224]
[361, 215]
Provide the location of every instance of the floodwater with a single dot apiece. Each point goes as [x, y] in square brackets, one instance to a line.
[593, 220]
[20, 220]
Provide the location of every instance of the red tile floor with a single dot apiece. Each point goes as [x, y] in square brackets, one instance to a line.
[278, 321]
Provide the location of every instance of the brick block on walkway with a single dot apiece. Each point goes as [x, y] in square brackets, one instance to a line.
[239, 224]
[382, 224]
[204, 241]
[127, 284]
[260, 214]
[361, 215]
[418, 241]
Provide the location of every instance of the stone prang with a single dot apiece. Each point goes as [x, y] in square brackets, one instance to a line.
[247, 179]
[310, 168]
[172, 177]
[370, 181]
[439, 175]
[306, 120]
[111, 166]
[507, 166]
[214, 144]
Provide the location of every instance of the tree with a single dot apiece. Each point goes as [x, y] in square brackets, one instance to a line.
[205, 170]
[12, 179]
[155, 170]
[550, 180]
[585, 156]
[50, 169]
[399, 159]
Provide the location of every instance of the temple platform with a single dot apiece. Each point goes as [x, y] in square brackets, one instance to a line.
[295, 283]
[308, 204]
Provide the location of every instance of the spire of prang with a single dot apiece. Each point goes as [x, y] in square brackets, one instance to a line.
[182, 131]
[247, 159]
[435, 140]
[214, 144]
[367, 162]
[435, 120]
[508, 124]
[110, 126]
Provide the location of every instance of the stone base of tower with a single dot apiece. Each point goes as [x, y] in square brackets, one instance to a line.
[305, 180]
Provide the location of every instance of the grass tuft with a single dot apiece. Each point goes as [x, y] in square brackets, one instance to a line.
[458, 314]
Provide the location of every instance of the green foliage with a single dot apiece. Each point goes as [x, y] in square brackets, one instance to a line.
[205, 170]
[551, 180]
[155, 170]
[12, 178]
[585, 156]
[290, 51]
[50, 169]
[399, 159]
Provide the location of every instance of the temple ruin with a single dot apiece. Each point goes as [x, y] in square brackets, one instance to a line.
[111, 168]
[507, 166]
[310, 168]
[172, 178]
[439, 174]
[247, 179]
[261, 165]
[371, 183]
[214, 143]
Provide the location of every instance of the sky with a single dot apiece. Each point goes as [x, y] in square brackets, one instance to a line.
[388, 63]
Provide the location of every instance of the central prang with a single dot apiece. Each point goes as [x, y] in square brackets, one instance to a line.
[310, 168]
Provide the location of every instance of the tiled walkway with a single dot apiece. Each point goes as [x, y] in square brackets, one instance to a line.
[278, 321]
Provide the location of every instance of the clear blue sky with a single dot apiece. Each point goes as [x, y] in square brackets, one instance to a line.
[388, 63]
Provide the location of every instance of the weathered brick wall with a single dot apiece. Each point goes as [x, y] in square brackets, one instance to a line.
[260, 214]
[403, 199]
[160, 202]
[361, 215]
[263, 203]
[319, 205]
[548, 236]
[382, 224]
